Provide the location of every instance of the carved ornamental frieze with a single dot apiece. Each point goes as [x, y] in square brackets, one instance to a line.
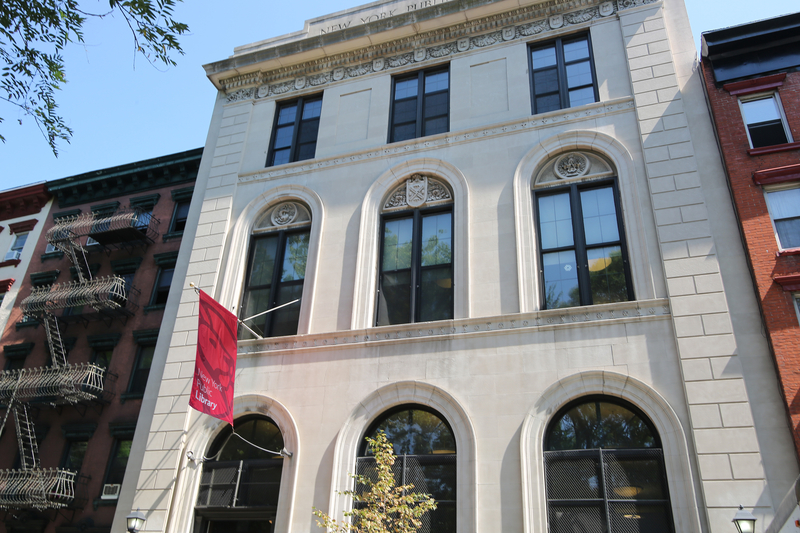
[516, 27]
[418, 190]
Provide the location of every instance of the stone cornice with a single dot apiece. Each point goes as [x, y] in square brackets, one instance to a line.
[23, 201]
[562, 116]
[22, 227]
[469, 327]
[522, 23]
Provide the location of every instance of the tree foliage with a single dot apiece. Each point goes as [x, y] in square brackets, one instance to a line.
[34, 33]
[382, 506]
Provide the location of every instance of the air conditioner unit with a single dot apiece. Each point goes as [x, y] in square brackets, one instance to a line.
[110, 492]
[13, 255]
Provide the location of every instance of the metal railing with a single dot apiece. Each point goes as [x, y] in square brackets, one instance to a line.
[124, 226]
[102, 294]
[39, 488]
[65, 385]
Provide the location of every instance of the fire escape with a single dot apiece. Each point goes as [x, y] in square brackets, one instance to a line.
[63, 383]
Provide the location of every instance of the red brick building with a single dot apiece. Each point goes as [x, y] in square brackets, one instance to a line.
[79, 342]
[752, 81]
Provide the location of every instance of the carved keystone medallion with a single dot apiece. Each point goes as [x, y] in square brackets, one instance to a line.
[571, 165]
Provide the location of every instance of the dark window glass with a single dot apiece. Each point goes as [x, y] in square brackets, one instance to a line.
[141, 369]
[179, 216]
[294, 137]
[276, 271]
[562, 74]
[764, 122]
[163, 283]
[119, 460]
[74, 454]
[583, 256]
[102, 357]
[426, 450]
[418, 113]
[416, 270]
[604, 470]
[784, 207]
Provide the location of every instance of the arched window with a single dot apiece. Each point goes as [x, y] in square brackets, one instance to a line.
[276, 270]
[416, 261]
[582, 250]
[426, 457]
[239, 487]
[604, 470]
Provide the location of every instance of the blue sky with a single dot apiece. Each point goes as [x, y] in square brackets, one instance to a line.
[124, 110]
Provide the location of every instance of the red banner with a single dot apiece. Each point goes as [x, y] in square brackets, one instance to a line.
[215, 366]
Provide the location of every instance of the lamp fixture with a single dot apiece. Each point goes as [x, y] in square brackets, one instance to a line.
[744, 521]
[135, 521]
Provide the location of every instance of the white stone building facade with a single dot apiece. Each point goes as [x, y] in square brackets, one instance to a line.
[619, 111]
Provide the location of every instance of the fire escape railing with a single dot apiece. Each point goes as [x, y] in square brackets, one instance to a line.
[57, 385]
[124, 228]
[41, 488]
[106, 295]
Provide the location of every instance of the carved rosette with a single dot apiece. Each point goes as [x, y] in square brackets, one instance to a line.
[417, 191]
[571, 165]
[284, 214]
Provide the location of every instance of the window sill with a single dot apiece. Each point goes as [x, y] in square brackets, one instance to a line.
[10, 262]
[172, 235]
[774, 149]
[52, 255]
[154, 307]
[130, 396]
[789, 251]
[98, 502]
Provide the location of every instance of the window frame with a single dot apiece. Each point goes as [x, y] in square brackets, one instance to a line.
[417, 215]
[294, 147]
[775, 97]
[275, 282]
[767, 189]
[420, 97]
[174, 219]
[157, 289]
[118, 440]
[574, 188]
[561, 69]
[130, 392]
[15, 248]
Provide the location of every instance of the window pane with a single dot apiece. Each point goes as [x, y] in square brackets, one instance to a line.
[19, 241]
[287, 114]
[312, 109]
[436, 82]
[257, 301]
[308, 132]
[599, 216]
[548, 103]
[284, 320]
[560, 280]
[576, 50]
[784, 207]
[599, 424]
[435, 125]
[417, 432]
[144, 361]
[405, 88]
[405, 111]
[767, 134]
[394, 298]
[283, 137]
[579, 74]
[545, 81]
[581, 96]
[116, 471]
[279, 157]
[639, 517]
[544, 57]
[763, 110]
[263, 262]
[262, 432]
[295, 256]
[607, 275]
[181, 214]
[403, 133]
[788, 232]
[165, 279]
[75, 454]
[634, 477]
[586, 518]
[573, 476]
[437, 240]
[436, 294]
[397, 236]
[555, 221]
[435, 105]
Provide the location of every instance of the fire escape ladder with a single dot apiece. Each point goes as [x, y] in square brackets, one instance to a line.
[26, 438]
[77, 256]
[63, 236]
[54, 339]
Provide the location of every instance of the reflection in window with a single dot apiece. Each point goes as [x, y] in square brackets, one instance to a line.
[583, 255]
[562, 75]
[239, 487]
[294, 137]
[74, 454]
[426, 450]
[784, 209]
[764, 121]
[604, 470]
[420, 105]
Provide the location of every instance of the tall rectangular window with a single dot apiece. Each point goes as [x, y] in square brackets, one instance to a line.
[118, 462]
[562, 74]
[416, 267]
[294, 136]
[161, 288]
[74, 454]
[784, 210]
[582, 247]
[141, 369]
[420, 104]
[275, 275]
[765, 122]
[15, 252]
[179, 216]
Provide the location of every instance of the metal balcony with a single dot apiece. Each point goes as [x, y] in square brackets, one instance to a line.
[64, 385]
[108, 297]
[123, 229]
[38, 488]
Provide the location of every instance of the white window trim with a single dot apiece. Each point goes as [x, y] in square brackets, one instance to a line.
[789, 185]
[763, 96]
